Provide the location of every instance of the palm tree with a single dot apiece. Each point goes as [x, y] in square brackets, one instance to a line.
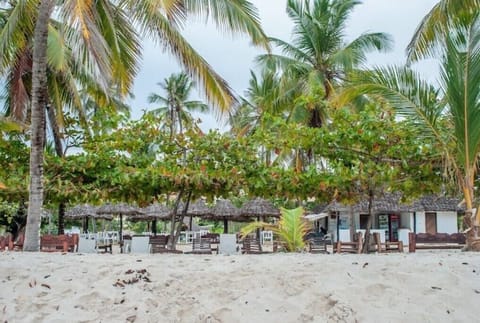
[453, 118]
[436, 25]
[176, 107]
[95, 40]
[319, 58]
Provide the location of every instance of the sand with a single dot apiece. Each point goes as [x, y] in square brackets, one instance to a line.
[422, 287]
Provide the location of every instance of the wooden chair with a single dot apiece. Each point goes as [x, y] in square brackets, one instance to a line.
[318, 245]
[251, 245]
[201, 246]
[351, 247]
[64, 243]
[6, 242]
[158, 244]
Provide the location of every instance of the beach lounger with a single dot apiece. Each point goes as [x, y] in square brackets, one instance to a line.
[201, 246]
[158, 244]
[251, 245]
[318, 245]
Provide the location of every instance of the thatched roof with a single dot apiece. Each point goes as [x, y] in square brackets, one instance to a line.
[85, 210]
[259, 207]
[152, 212]
[391, 203]
[118, 209]
[433, 203]
[225, 208]
[199, 208]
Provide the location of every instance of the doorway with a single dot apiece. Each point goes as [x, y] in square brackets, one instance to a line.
[431, 223]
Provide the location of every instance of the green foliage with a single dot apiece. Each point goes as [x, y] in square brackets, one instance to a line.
[290, 229]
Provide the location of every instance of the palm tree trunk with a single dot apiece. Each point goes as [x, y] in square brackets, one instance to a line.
[39, 101]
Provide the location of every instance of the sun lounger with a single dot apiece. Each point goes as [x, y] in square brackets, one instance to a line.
[158, 244]
[251, 245]
[201, 246]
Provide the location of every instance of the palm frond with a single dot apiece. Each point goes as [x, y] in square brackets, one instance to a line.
[235, 16]
[403, 89]
[436, 25]
[460, 79]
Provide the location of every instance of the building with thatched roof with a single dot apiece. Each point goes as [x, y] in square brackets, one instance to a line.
[393, 217]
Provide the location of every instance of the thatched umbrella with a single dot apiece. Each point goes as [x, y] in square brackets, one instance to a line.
[120, 209]
[84, 212]
[197, 208]
[259, 207]
[153, 213]
[225, 210]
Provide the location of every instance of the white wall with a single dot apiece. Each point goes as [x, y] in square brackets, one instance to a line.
[447, 222]
[406, 221]
[420, 222]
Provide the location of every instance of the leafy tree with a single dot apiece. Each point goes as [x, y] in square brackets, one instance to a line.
[371, 153]
[152, 19]
[452, 117]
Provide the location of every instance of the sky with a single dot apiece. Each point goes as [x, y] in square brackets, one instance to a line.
[233, 57]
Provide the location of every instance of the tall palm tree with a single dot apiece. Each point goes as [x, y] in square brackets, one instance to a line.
[95, 42]
[175, 106]
[436, 25]
[453, 118]
[319, 58]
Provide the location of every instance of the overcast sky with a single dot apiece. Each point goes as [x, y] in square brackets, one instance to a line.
[233, 58]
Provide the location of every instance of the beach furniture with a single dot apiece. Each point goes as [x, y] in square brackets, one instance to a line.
[6, 242]
[158, 244]
[65, 243]
[201, 246]
[435, 241]
[251, 245]
[318, 245]
[350, 247]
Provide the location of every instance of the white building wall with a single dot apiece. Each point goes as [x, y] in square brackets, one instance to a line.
[406, 221]
[447, 222]
[420, 222]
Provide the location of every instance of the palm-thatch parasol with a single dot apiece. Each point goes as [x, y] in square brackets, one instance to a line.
[225, 210]
[153, 213]
[259, 207]
[199, 208]
[84, 212]
[120, 209]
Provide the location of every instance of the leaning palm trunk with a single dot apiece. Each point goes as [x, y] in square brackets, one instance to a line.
[39, 101]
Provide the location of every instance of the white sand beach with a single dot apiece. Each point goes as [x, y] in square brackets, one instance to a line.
[422, 287]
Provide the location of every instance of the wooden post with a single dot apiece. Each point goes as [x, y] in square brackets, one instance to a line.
[225, 225]
[411, 242]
